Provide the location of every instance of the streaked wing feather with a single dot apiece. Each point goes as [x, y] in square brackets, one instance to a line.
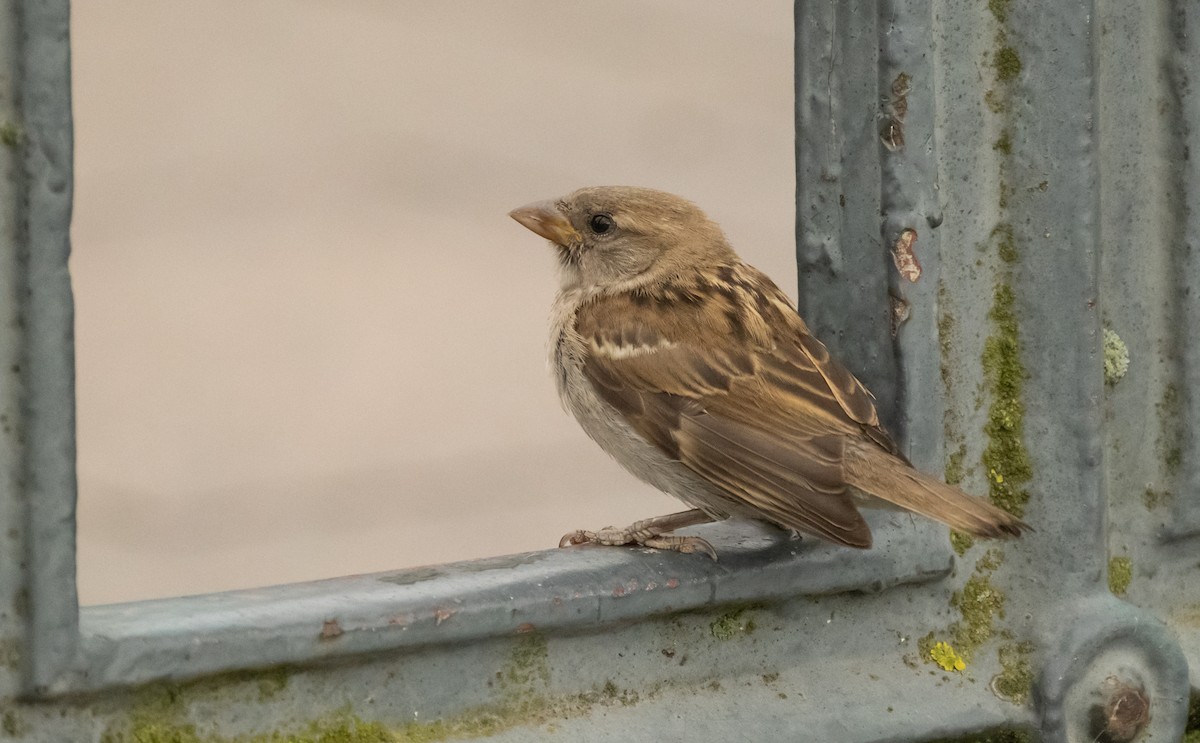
[760, 410]
[789, 487]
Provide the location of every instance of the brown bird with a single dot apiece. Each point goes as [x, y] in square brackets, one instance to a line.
[694, 371]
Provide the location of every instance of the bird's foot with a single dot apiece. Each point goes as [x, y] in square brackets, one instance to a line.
[652, 532]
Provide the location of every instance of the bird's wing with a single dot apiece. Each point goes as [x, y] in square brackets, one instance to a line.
[718, 371]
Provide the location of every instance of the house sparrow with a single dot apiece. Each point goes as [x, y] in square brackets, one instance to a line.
[694, 371]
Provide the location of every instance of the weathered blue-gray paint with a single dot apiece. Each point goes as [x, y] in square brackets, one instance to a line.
[38, 345]
[459, 603]
[1070, 126]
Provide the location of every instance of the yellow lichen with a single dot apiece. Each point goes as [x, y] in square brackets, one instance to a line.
[943, 654]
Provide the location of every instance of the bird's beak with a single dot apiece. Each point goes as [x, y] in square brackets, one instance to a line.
[544, 218]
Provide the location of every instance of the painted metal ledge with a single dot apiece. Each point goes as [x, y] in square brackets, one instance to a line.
[549, 591]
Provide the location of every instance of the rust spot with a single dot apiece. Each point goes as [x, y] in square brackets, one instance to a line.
[904, 255]
[525, 628]
[673, 583]
[651, 586]
[901, 309]
[400, 618]
[330, 629]
[441, 615]
[630, 586]
[895, 109]
[892, 134]
[1126, 712]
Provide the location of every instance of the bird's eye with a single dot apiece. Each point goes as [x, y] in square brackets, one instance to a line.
[600, 223]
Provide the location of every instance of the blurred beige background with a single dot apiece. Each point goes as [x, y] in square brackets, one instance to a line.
[310, 341]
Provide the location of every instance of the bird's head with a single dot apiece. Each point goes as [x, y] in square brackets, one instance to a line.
[621, 237]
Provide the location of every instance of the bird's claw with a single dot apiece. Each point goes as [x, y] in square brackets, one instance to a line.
[616, 538]
[686, 545]
[577, 537]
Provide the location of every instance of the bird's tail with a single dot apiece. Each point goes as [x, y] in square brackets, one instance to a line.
[878, 473]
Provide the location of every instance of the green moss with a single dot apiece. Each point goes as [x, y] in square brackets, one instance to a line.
[1116, 357]
[1172, 459]
[1006, 244]
[961, 542]
[996, 102]
[1005, 457]
[1000, 735]
[925, 646]
[10, 654]
[342, 727]
[270, 685]
[1120, 574]
[1015, 680]
[981, 604]
[1003, 143]
[528, 666]
[167, 700]
[954, 465]
[10, 723]
[731, 624]
[1193, 720]
[945, 329]
[990, 561]
[1008, 64]
[1168, 436]
[160, 714]
[1154, 498]
[11, 134]
[1169, 405]
[999, 9]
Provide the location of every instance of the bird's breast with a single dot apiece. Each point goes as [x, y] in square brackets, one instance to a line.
[605, 425]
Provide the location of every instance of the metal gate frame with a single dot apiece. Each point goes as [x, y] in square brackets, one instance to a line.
[1036, 159]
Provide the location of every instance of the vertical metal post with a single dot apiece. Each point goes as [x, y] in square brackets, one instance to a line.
[968, 140]
[38, 603]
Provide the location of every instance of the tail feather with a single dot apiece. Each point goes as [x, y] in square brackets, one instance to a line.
[888, 478]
